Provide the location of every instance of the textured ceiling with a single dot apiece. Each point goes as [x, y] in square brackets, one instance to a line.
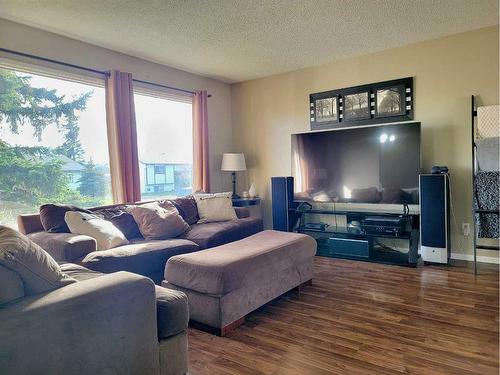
[245, 39]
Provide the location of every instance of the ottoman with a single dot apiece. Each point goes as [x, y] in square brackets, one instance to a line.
[225, 283]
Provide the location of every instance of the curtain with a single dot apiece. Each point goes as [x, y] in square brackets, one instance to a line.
[200, 142]
[122, 138]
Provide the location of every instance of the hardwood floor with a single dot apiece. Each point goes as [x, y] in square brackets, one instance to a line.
[365, 318]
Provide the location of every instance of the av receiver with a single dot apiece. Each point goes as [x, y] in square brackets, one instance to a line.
[392, 225]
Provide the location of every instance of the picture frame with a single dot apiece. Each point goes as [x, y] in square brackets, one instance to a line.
[324, 109]
[390, 101]
[374, 103]
[356, 106]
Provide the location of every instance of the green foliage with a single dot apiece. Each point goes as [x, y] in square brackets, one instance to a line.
[31, 175]
[72, 147]
[21, 104]
[92, 182]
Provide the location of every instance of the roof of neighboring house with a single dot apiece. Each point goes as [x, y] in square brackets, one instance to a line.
[69, 165]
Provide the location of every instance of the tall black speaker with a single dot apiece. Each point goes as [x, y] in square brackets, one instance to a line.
[283, 204]
[435, 218]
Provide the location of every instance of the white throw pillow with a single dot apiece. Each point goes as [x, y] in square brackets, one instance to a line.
[105, 233]
[215, 207]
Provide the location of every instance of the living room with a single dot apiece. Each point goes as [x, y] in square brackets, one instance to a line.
[187, 187]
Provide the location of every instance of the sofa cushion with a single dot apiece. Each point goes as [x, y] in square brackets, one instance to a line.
[187, 208]
[121, 219]
[215, 207]
[146, 258]
[11, 286]
[52, 217]
[158, 222]
[220, 270]
[172, 312]
[36, 268]
[79, 273]
[215, 234]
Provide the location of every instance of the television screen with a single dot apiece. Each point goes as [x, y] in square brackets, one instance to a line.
[377, 164]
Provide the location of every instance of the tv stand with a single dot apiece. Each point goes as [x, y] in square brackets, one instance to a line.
[346, 239]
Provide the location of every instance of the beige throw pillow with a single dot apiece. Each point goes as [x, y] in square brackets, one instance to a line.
[215, 207]
[104, 232]
[38, 271]
[158, 223]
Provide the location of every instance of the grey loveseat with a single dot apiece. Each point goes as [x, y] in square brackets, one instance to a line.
[146, 258]
[119, 323]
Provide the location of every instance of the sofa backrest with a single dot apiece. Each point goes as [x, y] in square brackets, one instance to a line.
[30, 223]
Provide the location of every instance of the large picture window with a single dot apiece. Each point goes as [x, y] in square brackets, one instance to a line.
[53, 144]
[165, 146]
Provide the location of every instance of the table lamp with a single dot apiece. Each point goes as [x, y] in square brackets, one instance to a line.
[233, 162]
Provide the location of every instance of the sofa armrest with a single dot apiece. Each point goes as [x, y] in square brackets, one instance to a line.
[242, 212]
[102, 325]
[29, 223]
[64, 246]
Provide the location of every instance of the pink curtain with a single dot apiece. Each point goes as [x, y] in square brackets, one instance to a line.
[200, 142]
[122, 138]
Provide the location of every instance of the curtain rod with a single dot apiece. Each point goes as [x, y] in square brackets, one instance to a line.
[107, 74]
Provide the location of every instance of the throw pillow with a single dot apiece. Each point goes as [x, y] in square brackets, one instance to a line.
[36, 268]
[215, 207]
[187, 209]
[158, 223]
[52, 217]
[121, 219]
[105, 233]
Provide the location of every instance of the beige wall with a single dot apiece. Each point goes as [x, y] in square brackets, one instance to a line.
[446, 72]
[25, 39]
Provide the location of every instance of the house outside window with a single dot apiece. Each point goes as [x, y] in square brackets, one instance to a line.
[165, 146]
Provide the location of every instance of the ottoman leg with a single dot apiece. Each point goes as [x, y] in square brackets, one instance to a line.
[231, 326]
[215, 330]
[300, 287]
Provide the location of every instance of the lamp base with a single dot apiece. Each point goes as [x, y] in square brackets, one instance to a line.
[233, 180]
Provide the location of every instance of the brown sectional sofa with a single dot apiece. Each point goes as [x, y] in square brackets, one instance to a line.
[147, 258]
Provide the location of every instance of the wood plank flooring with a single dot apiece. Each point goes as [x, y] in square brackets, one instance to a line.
[365, 318]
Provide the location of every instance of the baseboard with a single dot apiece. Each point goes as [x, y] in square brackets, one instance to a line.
[480, 258]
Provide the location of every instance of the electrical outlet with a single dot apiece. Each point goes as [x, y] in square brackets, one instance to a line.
[466, 229]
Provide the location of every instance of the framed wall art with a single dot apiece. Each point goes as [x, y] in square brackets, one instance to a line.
[374, 103]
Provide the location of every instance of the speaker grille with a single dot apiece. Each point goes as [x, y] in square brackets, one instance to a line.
[433, 207]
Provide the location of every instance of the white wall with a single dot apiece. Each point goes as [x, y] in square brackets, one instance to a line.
[21, 38]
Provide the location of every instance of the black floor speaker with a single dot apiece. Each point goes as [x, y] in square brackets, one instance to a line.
[283, 203]
[435, 218]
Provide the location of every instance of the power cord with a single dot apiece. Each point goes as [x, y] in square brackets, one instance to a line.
[460, 242]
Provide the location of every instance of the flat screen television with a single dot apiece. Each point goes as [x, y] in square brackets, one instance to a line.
[376, 164]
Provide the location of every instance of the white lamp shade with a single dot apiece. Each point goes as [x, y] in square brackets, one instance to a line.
[233, 162]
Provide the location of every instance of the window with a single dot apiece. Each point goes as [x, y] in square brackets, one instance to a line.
[165, 146]
[53, 144]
